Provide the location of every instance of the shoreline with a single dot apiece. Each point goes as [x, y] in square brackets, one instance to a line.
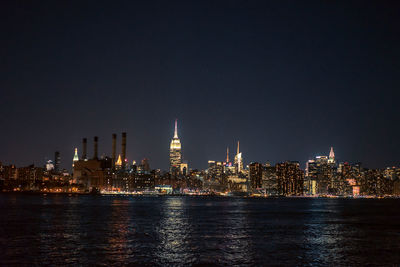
[191, 195]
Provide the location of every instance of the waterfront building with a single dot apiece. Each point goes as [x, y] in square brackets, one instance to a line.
[269, 180]
[374, 183]
[255, 175]
[144, 167]
[290, 178]
[238, 183]
[320, 176]
[349, 179]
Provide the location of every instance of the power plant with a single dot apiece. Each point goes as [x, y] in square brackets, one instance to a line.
[102, 173]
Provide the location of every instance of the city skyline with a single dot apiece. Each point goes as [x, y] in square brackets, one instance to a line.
[115, 155]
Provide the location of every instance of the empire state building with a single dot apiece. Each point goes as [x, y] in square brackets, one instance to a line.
[175, 154]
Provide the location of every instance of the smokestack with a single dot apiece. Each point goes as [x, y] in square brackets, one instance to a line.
[84, 146]
[114, 148]
[123, 149]
[96, 139]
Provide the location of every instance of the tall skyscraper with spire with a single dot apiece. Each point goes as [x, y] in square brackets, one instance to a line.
[238, 159]
[175, 152]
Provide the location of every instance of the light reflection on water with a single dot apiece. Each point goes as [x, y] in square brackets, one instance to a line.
[174, 233]
[125, 230]
[237, 245]
[118, 231]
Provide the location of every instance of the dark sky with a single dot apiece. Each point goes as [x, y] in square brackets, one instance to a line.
[288, 79]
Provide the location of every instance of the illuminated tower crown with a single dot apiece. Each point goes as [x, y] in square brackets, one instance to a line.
[239, 159]
[118, 163]
[331, 156]
[76, 157]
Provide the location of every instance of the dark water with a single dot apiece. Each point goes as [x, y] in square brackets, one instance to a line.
[125, 230]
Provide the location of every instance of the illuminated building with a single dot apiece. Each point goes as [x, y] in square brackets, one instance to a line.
[321, 175]
[175, 154]
[255, 175]
[49, 165]
[118, 163]
[269, 180]
[318, 176]
[144, 167]
[331, 159]
[215, 170]
[93, 174]
[143, 179]
[184, 168]
[76, 157]
[290, 178]
[374, 183]
[238, 160]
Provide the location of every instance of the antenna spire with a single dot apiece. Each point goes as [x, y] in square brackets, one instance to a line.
[176, 129]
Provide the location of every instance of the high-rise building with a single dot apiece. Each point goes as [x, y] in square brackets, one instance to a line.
[321, 175]
[76, 157]
[57, 161]
[238, 160]
[270, 180]
[290, 178]
[175, 152]
[215, 170]
[255, 174]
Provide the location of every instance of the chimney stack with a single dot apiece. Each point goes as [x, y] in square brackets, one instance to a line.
[96, 139]
[123, 149]
[84, 146]
[114, 148]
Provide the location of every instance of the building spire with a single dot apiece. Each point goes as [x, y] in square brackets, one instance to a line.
[176, 129]
[238, 150]
[227, 154]
[331, 158]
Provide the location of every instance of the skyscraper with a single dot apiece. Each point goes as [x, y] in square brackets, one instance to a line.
[76, 157]
[57, 161]
[175, 154]
[290, 178]
[255, 175]
[238, 160]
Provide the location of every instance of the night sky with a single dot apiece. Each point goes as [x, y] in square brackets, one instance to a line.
[288, 79]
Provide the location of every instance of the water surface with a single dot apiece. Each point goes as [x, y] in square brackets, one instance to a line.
[126, 230]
